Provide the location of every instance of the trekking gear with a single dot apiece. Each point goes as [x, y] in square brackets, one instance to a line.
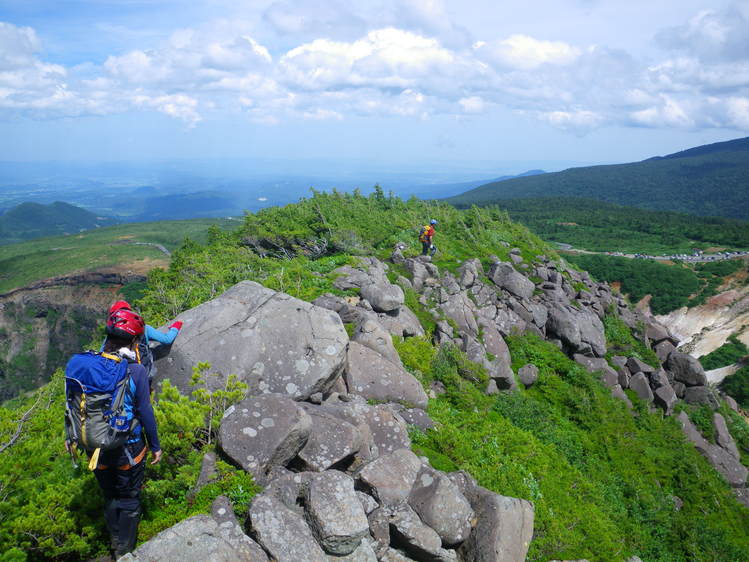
[119, 305]
[177, 325]
[144, 356]
[125, 324]
[97, 415]
[424, 233]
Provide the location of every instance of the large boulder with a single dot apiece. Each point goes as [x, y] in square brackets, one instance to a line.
[383, 296]
[334, 512]
[723, 437]
[200, 537]
[331, 440]
[528, 374]
[686, 369]
[401, 322]
[639, 383]
[724, 462]
[609, 376]
[373, 376]
[420, 541]
[281, 531]
[506, 277]
[701, 395]
[261, 432]
[442, 506]
[390, 478]
[271, 341]
[370, 333]
[580, 331]
[504, 526]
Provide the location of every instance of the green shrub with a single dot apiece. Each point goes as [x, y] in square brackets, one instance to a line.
[727, 354]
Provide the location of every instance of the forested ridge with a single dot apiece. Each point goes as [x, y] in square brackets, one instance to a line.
[706, 181]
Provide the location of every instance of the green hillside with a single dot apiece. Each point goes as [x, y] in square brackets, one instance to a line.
[711, 180]
[606, 484]
[607, 227]
[26, 262]
[34, 220]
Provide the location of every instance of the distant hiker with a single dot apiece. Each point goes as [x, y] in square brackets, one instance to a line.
[108, 414]
[425, 237]
[144, 354]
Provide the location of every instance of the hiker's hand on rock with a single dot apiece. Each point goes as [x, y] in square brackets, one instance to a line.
[156, 457]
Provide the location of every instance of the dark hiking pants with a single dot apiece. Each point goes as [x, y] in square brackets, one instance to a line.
[121, 484]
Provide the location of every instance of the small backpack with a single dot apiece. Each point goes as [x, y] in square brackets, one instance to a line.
[424, 233]
[97, 415]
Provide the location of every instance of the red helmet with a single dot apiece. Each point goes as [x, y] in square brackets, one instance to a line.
[119, 305]
[125, 323]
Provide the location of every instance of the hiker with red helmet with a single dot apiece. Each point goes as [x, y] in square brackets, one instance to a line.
[144, 355]
[109, 415]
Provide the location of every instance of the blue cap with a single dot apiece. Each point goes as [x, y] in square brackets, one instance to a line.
[432, 221]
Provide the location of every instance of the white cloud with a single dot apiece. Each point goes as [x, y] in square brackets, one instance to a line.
[178, 106]
[668, 113]
[472, 104]
[578, 121]
[524, 52]
[711, 35]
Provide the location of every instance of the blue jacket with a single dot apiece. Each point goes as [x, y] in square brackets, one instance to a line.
[156, 335]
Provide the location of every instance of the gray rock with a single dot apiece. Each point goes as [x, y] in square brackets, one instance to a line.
[372, 376]
[394, 555]
[623, 376]
[331, 440]
[364, 553]
[370, 333]
[460, 309]
[390, 478]
[368, 503]
[742, 495]
[383, 296]
[469, 272]
[401, 322]
[528, 375]
[200, 537]
[723, 461]
[282, 532]
[639, 383]
[609, 376]
[656, 333]
[679, 388]
[442, 506]
[288, 487]
[579, 329]
[351, 278]
[619, 361]
[506, 277]
[208, 473]
[419, 273]
[617, 392]
[723, 437]
[636, 365]
[665, 397]
[686, 369]
[416, 417]
[663, 350]
[730, 402]
[379, 527]
[389, 430]
[261, 432]
[334, 513]
[508, 322]
[503, 530]
[420, 541]
[658, 378]
[271, 341]
[540, 314]
[701, 395]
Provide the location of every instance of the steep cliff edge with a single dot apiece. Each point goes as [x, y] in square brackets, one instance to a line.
[43, 324]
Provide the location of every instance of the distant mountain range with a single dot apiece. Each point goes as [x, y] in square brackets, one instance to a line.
[34, 220]
[710, 180]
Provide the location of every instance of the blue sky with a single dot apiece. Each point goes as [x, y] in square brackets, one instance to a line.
[408, 83]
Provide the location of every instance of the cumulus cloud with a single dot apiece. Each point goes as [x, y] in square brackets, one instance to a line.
[404, 59]
[524, 52]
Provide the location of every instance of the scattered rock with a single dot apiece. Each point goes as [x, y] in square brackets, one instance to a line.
[723, 437]
[281, 532]
[639, 383]
[701, 395]
[331, 440]
[408, 532]
[334, 513]
[617, 392]
[373, 376]
[528, 375]
[504, 276]
[389, 479]
[261, 432]
[200, 537]
[442, 506]
[686, 369]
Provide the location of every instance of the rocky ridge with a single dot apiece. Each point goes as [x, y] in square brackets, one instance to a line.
[324, 427]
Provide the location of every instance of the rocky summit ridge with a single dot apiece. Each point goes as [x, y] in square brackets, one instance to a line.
[324, 426]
